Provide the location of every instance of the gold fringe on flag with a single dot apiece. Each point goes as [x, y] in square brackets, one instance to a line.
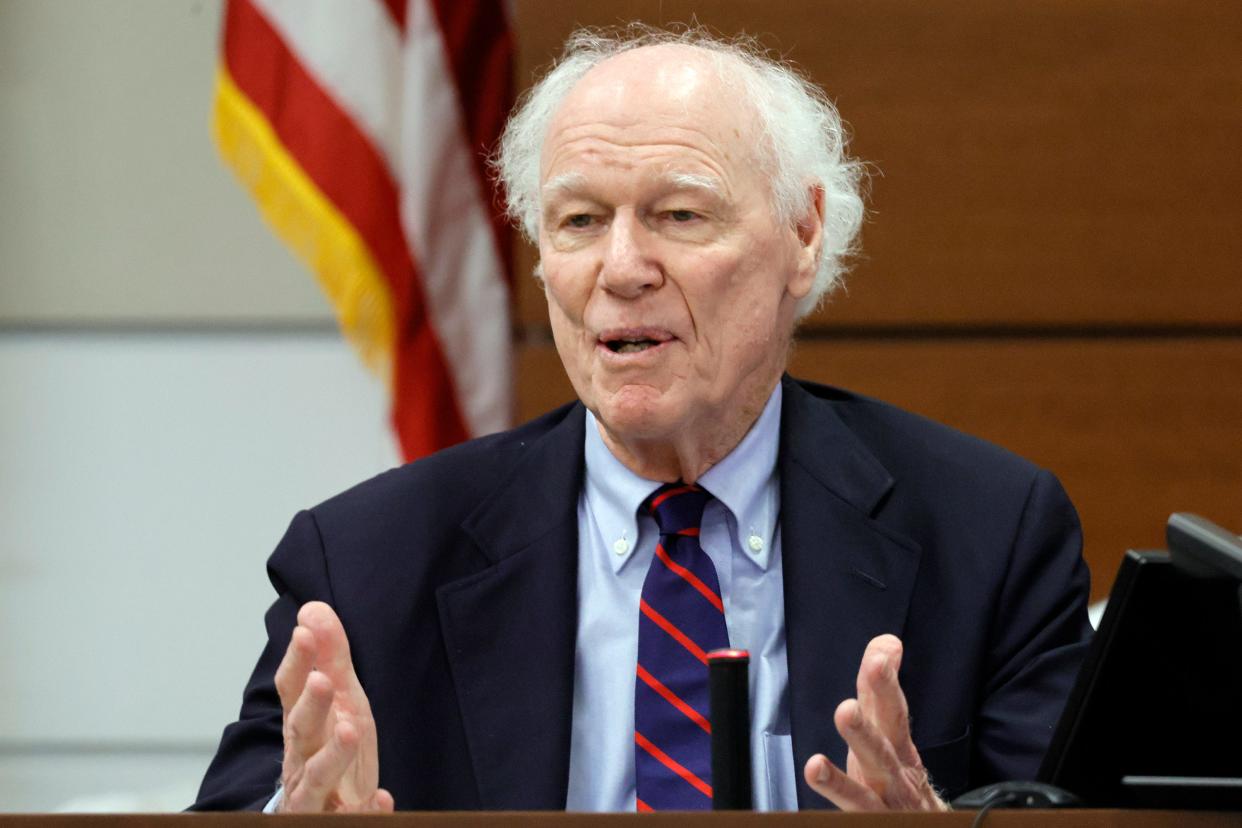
[308, 222]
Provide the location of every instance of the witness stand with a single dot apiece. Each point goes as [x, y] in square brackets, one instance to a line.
[959, 819]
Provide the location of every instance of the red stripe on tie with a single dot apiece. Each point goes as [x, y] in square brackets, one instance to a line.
[672, 493]
[643, 807]
[668, 626]
[673, 699]
[689, 532]
[689, 577]
[672, 764]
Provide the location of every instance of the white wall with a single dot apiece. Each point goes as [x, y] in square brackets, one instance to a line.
[172, 389]
[113, 204]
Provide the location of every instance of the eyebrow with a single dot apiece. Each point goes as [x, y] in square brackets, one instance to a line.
[575, 182]
[692, 181]
[564, 184]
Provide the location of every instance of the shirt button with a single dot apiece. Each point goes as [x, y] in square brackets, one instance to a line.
[755, 543]
[620, 546]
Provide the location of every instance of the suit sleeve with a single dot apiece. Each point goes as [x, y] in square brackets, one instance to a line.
[246, 767]
[1038, 637]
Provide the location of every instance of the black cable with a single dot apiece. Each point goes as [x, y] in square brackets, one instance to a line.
[995, 802]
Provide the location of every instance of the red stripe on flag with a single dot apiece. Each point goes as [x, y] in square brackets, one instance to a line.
[396, 10]
[689, 577]
[337, 156]
[673, 699]
[479, 47]
[672, 764]
[425, 412]
[350, 172]
[670, 628]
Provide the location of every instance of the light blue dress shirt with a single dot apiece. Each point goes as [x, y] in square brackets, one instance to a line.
[741, 534]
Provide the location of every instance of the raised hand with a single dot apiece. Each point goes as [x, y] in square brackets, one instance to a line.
[331, 760]
[883, 768]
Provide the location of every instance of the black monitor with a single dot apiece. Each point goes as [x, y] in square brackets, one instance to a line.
[1155, 716]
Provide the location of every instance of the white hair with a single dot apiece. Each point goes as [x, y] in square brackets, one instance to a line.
[803, 139]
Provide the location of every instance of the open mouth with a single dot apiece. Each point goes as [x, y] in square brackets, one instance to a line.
[633, 342]
[630, 346]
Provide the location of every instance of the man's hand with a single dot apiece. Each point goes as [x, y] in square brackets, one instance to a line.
[883, 768]
[331, 760]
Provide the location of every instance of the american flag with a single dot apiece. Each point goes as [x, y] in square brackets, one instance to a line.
[361, 130]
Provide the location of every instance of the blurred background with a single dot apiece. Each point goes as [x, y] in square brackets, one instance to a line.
[174, 388]
[1051, 262]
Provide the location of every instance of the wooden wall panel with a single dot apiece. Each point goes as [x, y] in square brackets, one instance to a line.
[1051, 257]
[1039, 162]
[1135, 429]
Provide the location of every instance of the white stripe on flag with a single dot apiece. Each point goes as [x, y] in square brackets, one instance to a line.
[354, 51]
[446, 219]
[405, 99]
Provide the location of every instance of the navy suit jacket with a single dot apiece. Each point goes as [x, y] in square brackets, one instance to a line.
[456, 580]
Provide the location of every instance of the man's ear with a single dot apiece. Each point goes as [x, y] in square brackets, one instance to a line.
[809, 230]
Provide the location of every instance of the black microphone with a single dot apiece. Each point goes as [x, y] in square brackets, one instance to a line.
[729, 687]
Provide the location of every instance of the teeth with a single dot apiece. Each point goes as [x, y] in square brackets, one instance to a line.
[633, 347]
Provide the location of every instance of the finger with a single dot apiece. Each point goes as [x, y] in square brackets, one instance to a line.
[296, 665]
[382, 801]
[881, 696]
[319, 787]
[306, 726]
[830, 782]
[883, 652]
[332, 655]
[878, 764]
[368, 741]
[334, 661]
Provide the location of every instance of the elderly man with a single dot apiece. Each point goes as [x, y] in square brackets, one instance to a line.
[520, 622]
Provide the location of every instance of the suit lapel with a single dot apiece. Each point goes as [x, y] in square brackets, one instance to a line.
[847, 578]
[509, 630]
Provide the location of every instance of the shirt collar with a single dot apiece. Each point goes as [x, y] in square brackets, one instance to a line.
[744, 481]
[613, 495]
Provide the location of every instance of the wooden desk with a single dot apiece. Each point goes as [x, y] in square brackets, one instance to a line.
[960, 819]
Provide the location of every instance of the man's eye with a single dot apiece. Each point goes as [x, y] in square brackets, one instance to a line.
[580, 220]
[682, 215]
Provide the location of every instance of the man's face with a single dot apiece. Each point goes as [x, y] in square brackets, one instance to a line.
[671, 284]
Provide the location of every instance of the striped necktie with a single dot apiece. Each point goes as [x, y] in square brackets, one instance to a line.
[681, 620]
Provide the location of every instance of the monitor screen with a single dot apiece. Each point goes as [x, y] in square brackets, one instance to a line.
[1155, 716]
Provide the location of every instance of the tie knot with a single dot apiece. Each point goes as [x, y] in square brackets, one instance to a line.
[678, 506]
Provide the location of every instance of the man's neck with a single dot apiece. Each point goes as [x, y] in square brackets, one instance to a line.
[694, 450]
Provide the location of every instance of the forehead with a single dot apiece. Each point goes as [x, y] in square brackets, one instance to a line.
[669, 101]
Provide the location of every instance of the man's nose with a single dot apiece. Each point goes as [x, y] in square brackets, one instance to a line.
[629, 266]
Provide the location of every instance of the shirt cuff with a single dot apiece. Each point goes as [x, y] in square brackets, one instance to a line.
[273, 803]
